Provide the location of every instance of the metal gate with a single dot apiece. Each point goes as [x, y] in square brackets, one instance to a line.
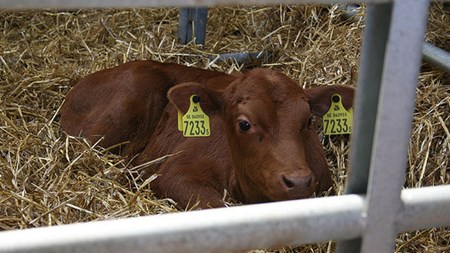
[366, 219]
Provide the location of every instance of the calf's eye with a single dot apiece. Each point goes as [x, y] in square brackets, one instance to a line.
[244, 126]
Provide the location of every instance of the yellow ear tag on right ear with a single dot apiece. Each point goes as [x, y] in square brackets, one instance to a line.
[195, 123]
[180, 121]
[337, 120]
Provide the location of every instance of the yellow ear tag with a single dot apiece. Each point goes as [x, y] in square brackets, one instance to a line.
[180, 121]
[337, 120]
[195, 123]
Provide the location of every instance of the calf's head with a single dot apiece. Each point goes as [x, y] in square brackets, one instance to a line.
[268, 120]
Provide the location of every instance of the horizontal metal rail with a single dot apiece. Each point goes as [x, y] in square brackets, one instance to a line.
[436, 56]
[72, 4]
[431, 54]
[232, 229]
[424, 208]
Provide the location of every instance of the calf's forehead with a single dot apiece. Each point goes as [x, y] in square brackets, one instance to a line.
[265, 82]
[269, 95]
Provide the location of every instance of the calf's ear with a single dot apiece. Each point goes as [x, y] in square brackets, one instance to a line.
[180, 95]
[320, 97]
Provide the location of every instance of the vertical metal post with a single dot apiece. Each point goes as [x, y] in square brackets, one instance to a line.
[393, 37]
[183, 26]
[366, 104]
[370, 73]
[192, 25]
[393, 129]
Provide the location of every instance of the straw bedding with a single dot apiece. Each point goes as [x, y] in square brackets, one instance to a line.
[47, 178]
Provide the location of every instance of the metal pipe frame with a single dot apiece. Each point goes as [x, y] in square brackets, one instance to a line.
[430, 53]
[379, 150]
[393, 128]
[436, 56]
[385, 166]
[232, 229]
[367, 95]
[377, 24]
[192, 25]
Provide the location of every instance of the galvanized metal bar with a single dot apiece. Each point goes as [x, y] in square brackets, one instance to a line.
[241, 57]
[71, 4]
[200, 20]
[218, 230]
[376, 32]
[436, 56]
[424, 208]
[184, 25]
[192, 25]
[431, 54]
[393, 127]
[232, 229]
[367, 95]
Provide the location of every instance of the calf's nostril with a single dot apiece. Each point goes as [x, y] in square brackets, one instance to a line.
[288, 182]
[298, 182]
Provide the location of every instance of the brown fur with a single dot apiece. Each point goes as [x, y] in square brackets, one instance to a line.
[278, 158]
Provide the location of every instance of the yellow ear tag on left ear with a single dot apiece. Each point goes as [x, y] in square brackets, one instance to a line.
[195, 123]
[337, 120]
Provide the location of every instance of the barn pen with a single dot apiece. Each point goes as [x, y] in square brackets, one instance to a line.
[367, 218]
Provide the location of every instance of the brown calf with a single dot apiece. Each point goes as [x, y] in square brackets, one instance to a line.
[263, 145]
